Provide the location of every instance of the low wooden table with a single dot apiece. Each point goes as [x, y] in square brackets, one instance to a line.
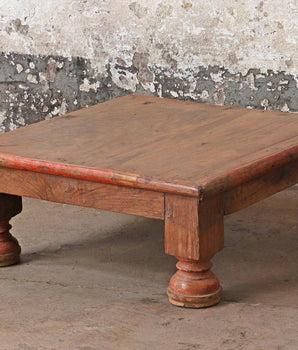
[186, 163]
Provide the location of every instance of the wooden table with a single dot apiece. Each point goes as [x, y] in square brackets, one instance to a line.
[186, 163]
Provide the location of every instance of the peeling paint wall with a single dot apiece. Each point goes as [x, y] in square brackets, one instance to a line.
[58, 56]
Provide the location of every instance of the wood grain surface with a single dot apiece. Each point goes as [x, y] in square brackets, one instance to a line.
[182, 226]
[193, 229]
[260, 188]
[159, 144]
[82, 193]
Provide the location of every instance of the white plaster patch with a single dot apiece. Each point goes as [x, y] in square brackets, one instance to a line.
[86, 86]
[44, 81]
[23, 87]
[63, 108]
[60, 65]
[265, 103]
[148, 86]
[128, 81]
[159, 90]
[192, 96]
[251, 82]
[174, 94]
[21, 120]
[2, 116]
[285, 108]
[204, 95]
[19, 68]
[217, 77]
[192, 86]
[32, 78]
[12, 126]
[55, 111]
[270, 86]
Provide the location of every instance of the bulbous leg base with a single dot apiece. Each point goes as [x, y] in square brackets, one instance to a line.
[194, 285]
[10, 249]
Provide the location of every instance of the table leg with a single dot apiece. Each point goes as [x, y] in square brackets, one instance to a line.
[193, 233]
[194, 285]
[9, 247]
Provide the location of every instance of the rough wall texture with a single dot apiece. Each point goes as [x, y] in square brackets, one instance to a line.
[58, 56]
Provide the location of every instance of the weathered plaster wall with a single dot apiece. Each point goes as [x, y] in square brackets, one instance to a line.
[62, 55]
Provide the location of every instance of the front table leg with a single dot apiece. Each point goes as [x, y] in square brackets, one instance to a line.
[194, 285]
[193, 233]
[10, 249]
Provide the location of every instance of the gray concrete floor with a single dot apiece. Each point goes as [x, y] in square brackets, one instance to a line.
[96, 280]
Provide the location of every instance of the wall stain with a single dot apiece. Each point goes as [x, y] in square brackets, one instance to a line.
[139, 10]
[186, 5]
[164, 10]
[140, 61]
[16, 26]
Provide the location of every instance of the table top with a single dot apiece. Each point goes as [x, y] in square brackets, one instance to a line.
[158, 144]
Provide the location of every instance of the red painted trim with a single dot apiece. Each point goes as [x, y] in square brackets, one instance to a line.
[92, 174]
[208, 187]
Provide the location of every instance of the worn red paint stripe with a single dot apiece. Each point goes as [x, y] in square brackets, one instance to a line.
[219, 184]
[97, 175]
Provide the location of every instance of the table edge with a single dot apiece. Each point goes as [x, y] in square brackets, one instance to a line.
[206, 187]
[248, 172]
[97, 175]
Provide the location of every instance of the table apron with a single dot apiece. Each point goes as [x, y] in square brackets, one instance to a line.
[83, 193]
[260, 188]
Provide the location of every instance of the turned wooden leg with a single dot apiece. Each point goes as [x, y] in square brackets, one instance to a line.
[194, 285]
[10, 249]
[193, 233]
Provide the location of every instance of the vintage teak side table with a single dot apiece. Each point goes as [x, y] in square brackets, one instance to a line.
[186, 163]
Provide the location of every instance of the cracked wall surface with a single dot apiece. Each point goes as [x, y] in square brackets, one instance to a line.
[59, 56]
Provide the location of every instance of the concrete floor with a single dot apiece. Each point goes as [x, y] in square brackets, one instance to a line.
[93, 280]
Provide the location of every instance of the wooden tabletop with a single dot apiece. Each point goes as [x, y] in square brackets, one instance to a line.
[154, 143]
